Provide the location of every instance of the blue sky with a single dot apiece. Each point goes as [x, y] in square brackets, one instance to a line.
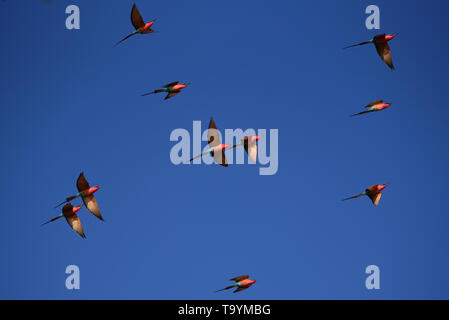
[71, 103]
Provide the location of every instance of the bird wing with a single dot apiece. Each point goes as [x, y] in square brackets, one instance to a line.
[136, 18]
[383, 49]
[375, 198]
[171, 84]
[171, 94]
[82, 183]
[91, 204]
[251, 149]
[213, 136]
[75, 223]
[238, 279]
[374, 103]
[373, 188]
[240, 289]
[220, 158]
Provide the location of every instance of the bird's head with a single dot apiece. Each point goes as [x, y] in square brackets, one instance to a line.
[380, 187]
[251, 139]
[251, 281]
[96, 188]
[76, 209]
[388, 37]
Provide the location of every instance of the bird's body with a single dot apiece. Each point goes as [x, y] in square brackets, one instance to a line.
[87, 194]
[241, 283]
[216, 148]
[383, 49]
[375, 106]
[373, 192]
[138, 23]
[172, 89]
[249, 143]
[69, 212]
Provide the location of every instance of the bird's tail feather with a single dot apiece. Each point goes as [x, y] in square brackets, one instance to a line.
[353, 197]
[129, 35]
[356, 114]
[155, 91]
[358, 44]
[227, 288]
[55, 218]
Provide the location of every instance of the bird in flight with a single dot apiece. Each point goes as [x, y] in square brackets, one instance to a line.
[138, 23]
[69, 212]
[172, 89]
[87, 194]
[241, 283]
[383, 49]
[377, 105]
[216, 148]
[249, 143]
[373, 192]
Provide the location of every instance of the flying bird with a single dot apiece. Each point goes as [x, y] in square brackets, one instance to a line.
[69, 212]
[373, 192]
[87, 194]
[383, 49]
[172, 89]
[241, 283]
[249, 143]
[138, 23]
[377, 105]
[216, 148]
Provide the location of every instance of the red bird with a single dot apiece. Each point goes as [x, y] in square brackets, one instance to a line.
[383, 49]
[249, 143]
[373, 192]
[172, 89]
[138, 23]
[377, 105]
[216, 147]
[87, 194]
[241, 283]
[69, 212]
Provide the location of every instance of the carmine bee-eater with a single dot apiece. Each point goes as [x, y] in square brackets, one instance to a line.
[383, 49]
[377, 105]
[69, 212]
[249, 143]
[138, 23]
[172, 89]
[216, 148]
[241, 283]
[87, 194]
[373, 192]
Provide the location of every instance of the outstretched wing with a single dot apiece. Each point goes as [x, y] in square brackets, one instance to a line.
[375, 198]
[136, 18]
[251, 149]
[383, 49]
[374, 103]
[91, 204]
[240, 289]
[82, 183]
[238, 279]
[171, 94]
[171, 84]
[75, 223]
[213, 136]
[220, 158]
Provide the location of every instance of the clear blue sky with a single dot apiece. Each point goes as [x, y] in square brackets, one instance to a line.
[71, 103]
